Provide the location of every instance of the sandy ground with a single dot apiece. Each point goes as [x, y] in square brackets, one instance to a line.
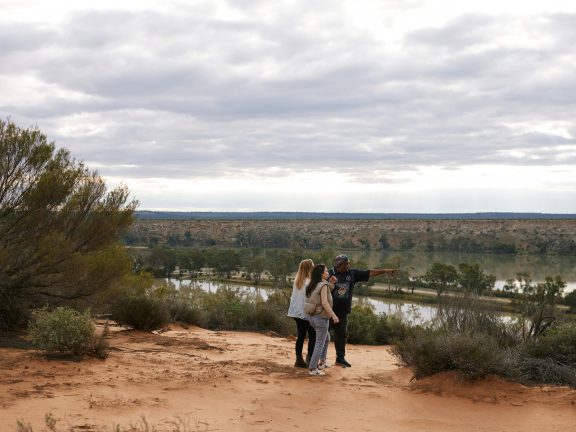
[232, 381]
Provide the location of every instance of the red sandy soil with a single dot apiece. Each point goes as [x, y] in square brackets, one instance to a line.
[233, 381]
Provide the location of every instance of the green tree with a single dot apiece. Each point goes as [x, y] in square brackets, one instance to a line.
[165, 259]
[537, 302]
[59, 225]
[281, 264]
[383, 241]
[473, 280]
[226, 261]
[440, 277]
[254, 266]
[570, 300]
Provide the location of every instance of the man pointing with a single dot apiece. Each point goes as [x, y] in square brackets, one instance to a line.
[342, 296]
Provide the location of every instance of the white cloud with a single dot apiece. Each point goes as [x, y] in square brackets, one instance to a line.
[249, 100]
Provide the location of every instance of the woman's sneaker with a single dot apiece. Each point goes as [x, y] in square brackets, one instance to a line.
[325, 365]
[316, 372]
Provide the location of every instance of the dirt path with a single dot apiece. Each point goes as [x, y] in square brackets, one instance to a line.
[231, 381]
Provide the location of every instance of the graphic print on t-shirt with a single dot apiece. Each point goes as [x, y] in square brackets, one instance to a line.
[341, 290]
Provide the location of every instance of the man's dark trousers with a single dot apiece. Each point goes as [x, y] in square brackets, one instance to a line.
[340, 331]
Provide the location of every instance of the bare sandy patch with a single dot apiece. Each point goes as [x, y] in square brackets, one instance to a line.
[234, 381]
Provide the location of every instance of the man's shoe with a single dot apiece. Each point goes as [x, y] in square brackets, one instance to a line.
[342, 362]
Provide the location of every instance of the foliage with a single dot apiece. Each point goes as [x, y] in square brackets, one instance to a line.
[536, 302]
[430, 351]
[533, 370]
[558, 344]
[441, 276]
[472, 340]
[184, 310]
[62, 330]
[141, 311]
[366, 327]
[231, 309]
[473, 280]
[570, 300]
[468, 315]
[58, 225]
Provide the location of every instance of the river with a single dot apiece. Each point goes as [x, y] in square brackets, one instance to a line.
[410, 312]
[502, 266]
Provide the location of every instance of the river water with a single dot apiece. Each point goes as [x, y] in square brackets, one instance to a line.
[502, 266]
[411, 312]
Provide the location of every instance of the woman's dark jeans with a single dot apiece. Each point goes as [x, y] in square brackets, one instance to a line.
[304, 327]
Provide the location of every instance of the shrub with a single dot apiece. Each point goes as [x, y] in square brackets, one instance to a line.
[531, 370]
[366, 327]
[390, 330]
[141, 311]
[421, 351]
[469, 315]
[558, 344]
[473, 355]
[183, 310]
[227, 309]
[267, 317]
[62, 330]
[13, 314]
[362, 324]
[430, 351]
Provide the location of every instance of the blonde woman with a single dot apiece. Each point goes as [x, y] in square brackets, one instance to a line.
[296, 311]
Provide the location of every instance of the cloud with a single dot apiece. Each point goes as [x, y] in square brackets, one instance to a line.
[261, 90]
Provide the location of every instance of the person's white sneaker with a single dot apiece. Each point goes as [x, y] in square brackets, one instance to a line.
[316, 372]
[324, 365]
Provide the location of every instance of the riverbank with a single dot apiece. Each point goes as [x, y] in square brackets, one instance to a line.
[234, 381]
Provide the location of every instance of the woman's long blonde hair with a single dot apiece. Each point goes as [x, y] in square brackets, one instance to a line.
[304, 272]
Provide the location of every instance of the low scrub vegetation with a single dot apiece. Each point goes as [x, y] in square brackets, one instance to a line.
[141, 311]
[65, 330]
[467, 338]
[224, 309]
[368, 328]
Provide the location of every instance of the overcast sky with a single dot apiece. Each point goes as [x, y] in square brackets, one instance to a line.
[316, 105]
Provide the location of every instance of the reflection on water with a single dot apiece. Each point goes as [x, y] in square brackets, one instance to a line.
[503, 266]
[411, 312]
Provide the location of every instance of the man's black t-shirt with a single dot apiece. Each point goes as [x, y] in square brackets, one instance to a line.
[344, 287]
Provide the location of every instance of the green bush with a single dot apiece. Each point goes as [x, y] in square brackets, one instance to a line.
[366, 327]
[532, 370]
[184, 310]
[362, 325]
[141, 311]
[227, 309]
[421, 351]
[558, 344]
[430, 351]
[468, 315]
[267, 317]
[473, 355]
[13, 314]
[62, 330]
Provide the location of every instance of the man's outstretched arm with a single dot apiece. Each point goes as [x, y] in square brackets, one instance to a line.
[378, 272]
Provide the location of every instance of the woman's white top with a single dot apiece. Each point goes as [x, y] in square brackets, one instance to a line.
[297, 300]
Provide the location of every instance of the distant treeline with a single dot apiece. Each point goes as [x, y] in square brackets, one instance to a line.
[146, 215]
[474, 235]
